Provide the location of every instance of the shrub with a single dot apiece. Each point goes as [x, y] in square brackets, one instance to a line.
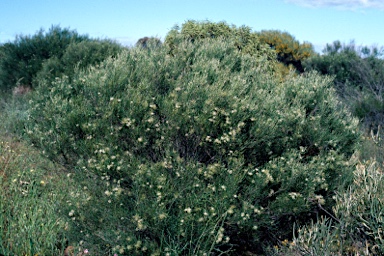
[201, 150]
[289, 51]
[148, 41]
[358, 79]
[243, 38]
[274, 44]
[78, 55]
[22, 59]
[339, 61]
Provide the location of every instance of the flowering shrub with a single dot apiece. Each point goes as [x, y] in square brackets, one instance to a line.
[201, 151]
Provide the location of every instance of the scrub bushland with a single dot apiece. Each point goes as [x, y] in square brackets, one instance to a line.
[46, 55]
[194, 147]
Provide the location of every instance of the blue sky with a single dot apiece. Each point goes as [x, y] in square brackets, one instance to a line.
[315, 21]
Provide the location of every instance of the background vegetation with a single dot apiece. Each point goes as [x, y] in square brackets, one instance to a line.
[207, 144]
[358, 78]
[289, 51]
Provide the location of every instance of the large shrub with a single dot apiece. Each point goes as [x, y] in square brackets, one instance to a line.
[21, 59]
[201, 150]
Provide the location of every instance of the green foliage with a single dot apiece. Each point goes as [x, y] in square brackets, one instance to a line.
[13, 113]
[358, 78]
[373, 146]
[199, 151]
[357, 223]
[244, 39]
[360, 208]
[30, 219]
[21, 59]
[78, 55]
[148, 42]
[289, 51]
[318, 238]
[339, 61]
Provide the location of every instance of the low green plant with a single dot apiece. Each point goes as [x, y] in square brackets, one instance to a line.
[360, 208]
[372, 146]
[30, 198]
[318, 238]
[13, 113]
[353, 227]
